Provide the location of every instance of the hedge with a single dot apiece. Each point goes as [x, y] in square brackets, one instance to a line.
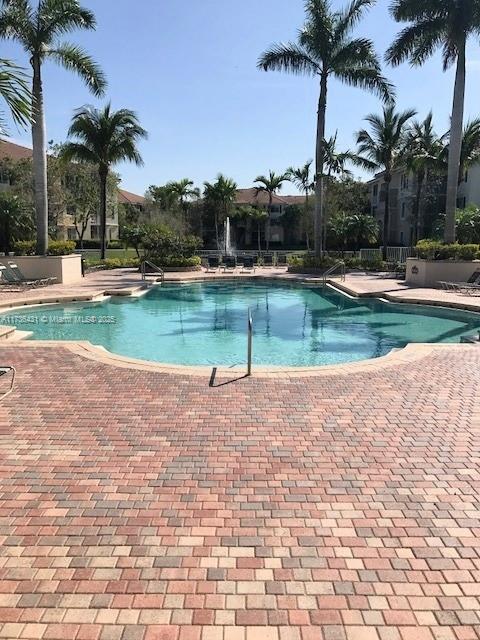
[435, 250]
[55, 247]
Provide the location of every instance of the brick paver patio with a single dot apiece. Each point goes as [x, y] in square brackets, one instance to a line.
[137, 505]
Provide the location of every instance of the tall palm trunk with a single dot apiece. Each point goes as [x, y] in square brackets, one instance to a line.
[39, 136]
[417, 223]
[259, 237]
[103, 174]
[217, 235]
[307, 215]
[455, 145]
[267, 222]
[386, 217]
[319, 162]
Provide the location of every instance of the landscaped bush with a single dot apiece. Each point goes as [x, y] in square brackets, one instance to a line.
[24, 247]
[113, 263]
[61, 247]
[88, 244]
[311, 262]
[115, 244]
[165, 248]
[55, 247]
[435, 250]
[179, 262]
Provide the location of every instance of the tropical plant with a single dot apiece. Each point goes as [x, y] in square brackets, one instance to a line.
[325, 49]
[104, 137]
[421, 155]
[37, 27]
[353, 229]
[220, 197]
[470, 152]
[183, 191]
[381, 150]
[447, 24]
[302, 178]
[15, 92]
[468, 225]
[256, 215]
[16, 221]
[270, 185]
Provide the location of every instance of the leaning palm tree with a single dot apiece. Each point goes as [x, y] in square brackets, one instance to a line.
[14, 91]
[301, 177]
[220, 196]
[104, 138]
[381, 150]
[422, 156]
[270, 185]
[447, 24]
[326, 49]
[38, 27]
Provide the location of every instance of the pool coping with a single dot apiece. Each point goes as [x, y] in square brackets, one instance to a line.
[98, 353]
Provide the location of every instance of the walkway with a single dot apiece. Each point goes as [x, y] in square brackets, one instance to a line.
[137, 505]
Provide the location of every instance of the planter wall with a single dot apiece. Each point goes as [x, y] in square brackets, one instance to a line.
[66, 269]
[428, 273]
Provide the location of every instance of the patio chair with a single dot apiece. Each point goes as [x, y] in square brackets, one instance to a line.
[229, 263]
[248, 264]
[213, 263]
[268, 260]
[16, 276]
[3, 372]
[282, 260]
[458, 286]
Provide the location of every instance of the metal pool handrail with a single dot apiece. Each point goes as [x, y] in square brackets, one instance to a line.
[337, 265]
[155, 267]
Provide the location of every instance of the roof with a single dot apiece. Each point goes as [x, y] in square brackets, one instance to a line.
[14, 151]
[127, 197]
[251, 197]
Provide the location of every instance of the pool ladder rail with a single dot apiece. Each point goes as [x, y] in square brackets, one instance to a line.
[340, 265]
[154, 267]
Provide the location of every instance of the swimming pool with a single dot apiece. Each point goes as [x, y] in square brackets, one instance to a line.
[206, 324]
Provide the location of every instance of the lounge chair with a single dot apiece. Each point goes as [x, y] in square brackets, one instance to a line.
[4, 371]
[282, 260]
[213, 263]
[248, 264]
[268, 260]
[458, 286]
[229, 263]
[13, 275]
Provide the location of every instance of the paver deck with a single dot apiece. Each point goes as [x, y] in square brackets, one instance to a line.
[136, 505]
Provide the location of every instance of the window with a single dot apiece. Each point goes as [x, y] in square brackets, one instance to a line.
[402, 235]
[465, 178]
[404, 181]
[71, 209]
[375, 190]
[404, 208]
[4, 176]
[95, 232]
[72, 233]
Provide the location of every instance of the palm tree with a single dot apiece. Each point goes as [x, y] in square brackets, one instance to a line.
[270, 185]
[326, 48]
[183, 191]
[335, 164]
[37, 28]
[470, 153]
[381, 150]
[447, 24]
[353, 228]
[15, 92]
[301, 177]
[423, 149]
[255, 214]
[220, 196]
[104, 138]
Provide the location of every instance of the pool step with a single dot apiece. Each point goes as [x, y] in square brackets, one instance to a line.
[475, 339]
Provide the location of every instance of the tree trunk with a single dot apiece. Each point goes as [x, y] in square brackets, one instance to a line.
[416, 209]
[386, 217]
[455, 144]
[267, 222]
[259, 237]
[39, 136]
[319, 162]
[217, 236]
[103, 173]
[307, 215]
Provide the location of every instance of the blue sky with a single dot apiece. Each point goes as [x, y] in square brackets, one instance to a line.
[188, 68]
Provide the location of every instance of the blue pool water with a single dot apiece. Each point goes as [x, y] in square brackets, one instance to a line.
[206, 324]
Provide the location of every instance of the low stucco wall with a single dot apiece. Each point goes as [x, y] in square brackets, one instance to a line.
[428, 273]
[66, 269]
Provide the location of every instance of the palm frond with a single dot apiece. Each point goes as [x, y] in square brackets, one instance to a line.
[17, 22]
[74, 58]
[15, 91]
[57, 17]
[416, 42]
[368, 78]
[77, 152]
[349, 17]
[288, 57]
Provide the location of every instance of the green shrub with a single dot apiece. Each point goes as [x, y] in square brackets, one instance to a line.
[116, 244]
[24, 247]
[178, 261]
[311, 262]
[435, 250]
[61, 247]
[113, 263]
